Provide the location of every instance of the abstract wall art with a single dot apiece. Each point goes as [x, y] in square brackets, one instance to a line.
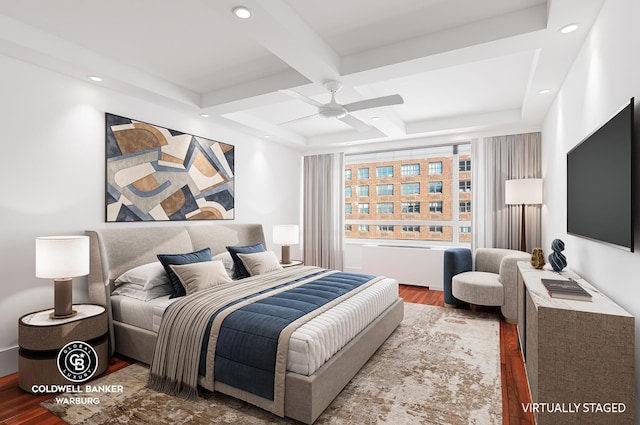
[157, 174]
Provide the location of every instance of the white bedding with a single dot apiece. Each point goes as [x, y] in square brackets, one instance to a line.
[311, 345]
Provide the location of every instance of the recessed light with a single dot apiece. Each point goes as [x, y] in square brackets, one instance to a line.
[242, 12]
[204, 115]
[95, 78]
[459, 131]
[375, 118]
[266, 136]
[544, 91]
[568, 28]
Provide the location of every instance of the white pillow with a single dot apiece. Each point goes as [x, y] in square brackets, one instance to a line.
[226, 259]
[198, 276]
[147, 275]
[132, 290]
[260, 262]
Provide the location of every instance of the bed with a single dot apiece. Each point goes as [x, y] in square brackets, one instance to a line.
[308, 390]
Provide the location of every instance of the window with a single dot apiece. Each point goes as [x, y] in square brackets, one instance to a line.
[363, 227]
[384, 189]
[363, 190]
[347, 227]
[348, 209]
[465, 229]
[410, 170]
[411, 207]
[410, 228]
[410, 188]
[347, 174]
[347, 191]
[417, 188]
[465, 185]
[386, 171]
[435, 167]
[384, 208]
[435, 207]
[435, 187]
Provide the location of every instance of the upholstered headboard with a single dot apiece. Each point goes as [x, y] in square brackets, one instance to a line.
[113, 251]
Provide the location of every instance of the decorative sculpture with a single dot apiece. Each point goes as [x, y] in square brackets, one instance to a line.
[557, 260]
[537, 258]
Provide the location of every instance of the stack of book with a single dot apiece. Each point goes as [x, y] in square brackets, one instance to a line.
[567, 289]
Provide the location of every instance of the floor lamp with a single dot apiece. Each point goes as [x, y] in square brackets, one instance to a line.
[523, 192]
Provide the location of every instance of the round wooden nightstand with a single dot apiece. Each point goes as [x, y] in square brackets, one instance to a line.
[40, 338]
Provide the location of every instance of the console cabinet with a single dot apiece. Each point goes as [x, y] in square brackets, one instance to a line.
[579, 355]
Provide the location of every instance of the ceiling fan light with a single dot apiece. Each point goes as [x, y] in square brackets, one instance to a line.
[332, 111]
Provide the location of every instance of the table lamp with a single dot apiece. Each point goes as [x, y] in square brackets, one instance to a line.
[61, 258]
[523, 192]
[286, 235]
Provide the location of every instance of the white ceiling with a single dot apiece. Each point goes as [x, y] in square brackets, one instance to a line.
[460, 65]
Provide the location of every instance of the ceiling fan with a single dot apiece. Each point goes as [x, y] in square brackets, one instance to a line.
[342, 112]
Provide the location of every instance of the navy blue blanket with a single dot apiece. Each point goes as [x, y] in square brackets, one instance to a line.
[248, 339]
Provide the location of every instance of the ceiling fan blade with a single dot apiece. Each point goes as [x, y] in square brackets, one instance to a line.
[354, 122]
[376, 102]
[296, 95]
[299, 119]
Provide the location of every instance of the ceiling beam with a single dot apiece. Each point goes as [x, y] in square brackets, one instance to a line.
[498, 36]
[464, 122]
[35, 46]
[276, 27]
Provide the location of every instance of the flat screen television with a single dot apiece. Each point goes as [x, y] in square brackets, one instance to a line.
[599, 183]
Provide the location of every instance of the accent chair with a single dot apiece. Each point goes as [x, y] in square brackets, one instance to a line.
[492, 281]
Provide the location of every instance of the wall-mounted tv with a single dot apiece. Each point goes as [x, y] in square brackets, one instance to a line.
[599, 183]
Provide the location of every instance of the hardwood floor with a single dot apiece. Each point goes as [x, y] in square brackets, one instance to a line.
[20, 408]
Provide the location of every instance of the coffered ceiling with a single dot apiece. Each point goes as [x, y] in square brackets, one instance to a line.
[459, 65]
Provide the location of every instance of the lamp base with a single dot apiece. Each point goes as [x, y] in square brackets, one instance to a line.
[66, 316]
[286, 254]
[62, 290]
[523, 231]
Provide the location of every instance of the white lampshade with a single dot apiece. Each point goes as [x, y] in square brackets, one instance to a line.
[286, 234]
[59, 257]
[523, 191]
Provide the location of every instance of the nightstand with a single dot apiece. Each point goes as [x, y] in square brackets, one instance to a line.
[293, 263]
[41, 338]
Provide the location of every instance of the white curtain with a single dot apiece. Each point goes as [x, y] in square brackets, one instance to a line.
[324, 210]
[496, 160]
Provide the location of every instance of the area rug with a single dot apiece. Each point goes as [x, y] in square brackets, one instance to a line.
[440, 366]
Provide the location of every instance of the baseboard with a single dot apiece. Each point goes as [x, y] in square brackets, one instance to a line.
[8, 361]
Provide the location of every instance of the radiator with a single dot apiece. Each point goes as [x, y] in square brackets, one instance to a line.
[409, 265]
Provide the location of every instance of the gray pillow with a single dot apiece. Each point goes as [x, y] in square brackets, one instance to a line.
[172, 259]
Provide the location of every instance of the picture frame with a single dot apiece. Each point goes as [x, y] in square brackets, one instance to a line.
[158, 174]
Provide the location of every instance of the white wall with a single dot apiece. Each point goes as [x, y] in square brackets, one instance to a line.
[605, 74]
[52, 178]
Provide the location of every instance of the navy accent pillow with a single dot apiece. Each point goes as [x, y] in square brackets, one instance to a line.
[241, 270]
[179, 259]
